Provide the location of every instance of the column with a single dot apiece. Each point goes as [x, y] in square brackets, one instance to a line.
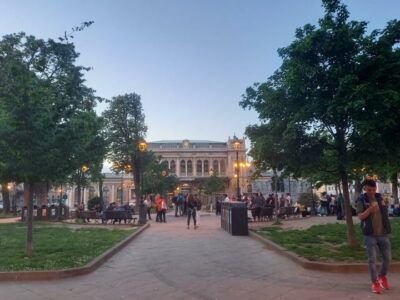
[202, 167]
[178, 167]
[112, 194]
[219, 167]
[186, 168]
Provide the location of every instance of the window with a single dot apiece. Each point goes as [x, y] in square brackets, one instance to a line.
[119, 193]
[189, 168]
[215, 166]
[91, 192]
[206, 167]
[222, 166]
[106, 194]
[172, 167]
[183, 168]
[199, 168]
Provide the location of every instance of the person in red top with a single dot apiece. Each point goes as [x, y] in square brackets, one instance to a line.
[158, 203]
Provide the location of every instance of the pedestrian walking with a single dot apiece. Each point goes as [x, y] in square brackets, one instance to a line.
[372, 210]
[198, 209]
[191, 211]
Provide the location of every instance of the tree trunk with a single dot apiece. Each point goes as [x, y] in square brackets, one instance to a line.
[351, 234]
[6, 197]
[29, 222]
[395, 184]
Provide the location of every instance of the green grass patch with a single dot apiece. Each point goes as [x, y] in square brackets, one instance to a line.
[54, 247]
[327, 242]
[6, 216]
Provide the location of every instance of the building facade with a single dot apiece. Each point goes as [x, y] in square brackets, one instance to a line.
[192, 161]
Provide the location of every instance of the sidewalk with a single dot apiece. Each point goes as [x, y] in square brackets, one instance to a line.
[170, 262]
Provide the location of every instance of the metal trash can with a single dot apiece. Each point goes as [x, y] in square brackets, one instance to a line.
[234, 218]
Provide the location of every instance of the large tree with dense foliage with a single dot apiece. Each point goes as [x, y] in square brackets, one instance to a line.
[43, 97]
[316, 101]
[157, 178]
[125, 129]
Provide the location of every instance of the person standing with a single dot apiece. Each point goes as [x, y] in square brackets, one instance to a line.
[323, 202]
[147, 204]
[158, 207]
[164, 208]
[372, 210]
[179, 202]
[191, 210]
[218, 204]
[198, 209]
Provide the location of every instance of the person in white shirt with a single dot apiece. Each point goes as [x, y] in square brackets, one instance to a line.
[227, 198]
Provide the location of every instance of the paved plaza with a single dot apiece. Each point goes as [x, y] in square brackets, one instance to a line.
[170, 262]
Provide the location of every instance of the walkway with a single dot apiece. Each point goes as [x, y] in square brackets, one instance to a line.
[170, 262]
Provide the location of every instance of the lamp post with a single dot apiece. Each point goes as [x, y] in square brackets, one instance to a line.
[142, 212]
[84, 169]
[236, 146]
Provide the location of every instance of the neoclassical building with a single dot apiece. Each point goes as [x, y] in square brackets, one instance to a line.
[194, 160]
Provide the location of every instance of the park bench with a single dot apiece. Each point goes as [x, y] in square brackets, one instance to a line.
[107, 216]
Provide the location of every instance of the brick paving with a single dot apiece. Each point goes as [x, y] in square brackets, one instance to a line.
[170, 262]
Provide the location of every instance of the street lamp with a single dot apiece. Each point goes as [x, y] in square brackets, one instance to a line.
[236, 146]
[84, 169]
[142, 213]
[211, 172]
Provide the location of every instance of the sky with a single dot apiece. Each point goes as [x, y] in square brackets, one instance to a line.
[190, 60]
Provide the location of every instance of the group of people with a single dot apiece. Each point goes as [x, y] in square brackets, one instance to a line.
[160, 205]
[187, 205]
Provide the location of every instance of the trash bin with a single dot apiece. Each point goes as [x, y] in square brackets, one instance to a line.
[36, 213]
[53, 213]
[234, 218]
[44, 216]
[63, 212]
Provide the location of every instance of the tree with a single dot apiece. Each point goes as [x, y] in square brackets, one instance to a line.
[315, 101]
[126, 128]
[91, 149]
[42, 92]
[214, 184]
[157, 178]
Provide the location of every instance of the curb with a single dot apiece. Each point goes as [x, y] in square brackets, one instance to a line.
[317, 266]
[72, 272]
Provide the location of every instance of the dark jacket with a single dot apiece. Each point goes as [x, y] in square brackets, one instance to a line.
[366, 224]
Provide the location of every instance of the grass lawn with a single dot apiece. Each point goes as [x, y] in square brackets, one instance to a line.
[54, 247]
[6, 216]
[327, 242]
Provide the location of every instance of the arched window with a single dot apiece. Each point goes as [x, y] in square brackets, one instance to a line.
[223, 167]
[189, 168]
[91, 192]
[183, 168]
[206, 169]
[172, 167]
[215, 166]
[106, 195]
[119, 193]
[76, 196]
[199, 168]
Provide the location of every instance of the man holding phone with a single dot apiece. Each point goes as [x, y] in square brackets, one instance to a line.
[372, 210]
